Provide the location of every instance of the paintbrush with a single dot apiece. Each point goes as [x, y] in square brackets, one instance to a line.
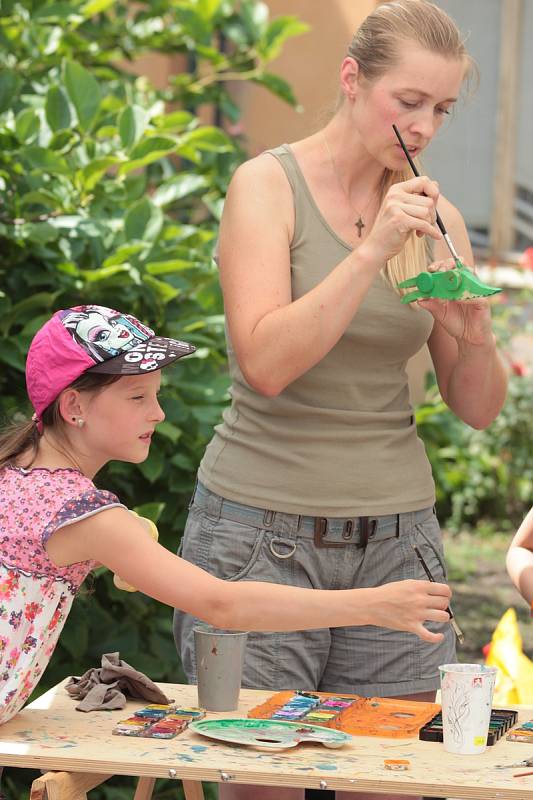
[440, 223]
[453, 622]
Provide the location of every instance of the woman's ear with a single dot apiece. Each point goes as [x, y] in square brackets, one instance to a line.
[349, 75]
[70, 406]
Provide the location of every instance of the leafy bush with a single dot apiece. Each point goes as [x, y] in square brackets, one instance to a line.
[483, 478]
[110, 192]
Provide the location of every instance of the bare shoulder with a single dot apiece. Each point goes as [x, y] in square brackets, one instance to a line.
[259, 194]
[263, 171]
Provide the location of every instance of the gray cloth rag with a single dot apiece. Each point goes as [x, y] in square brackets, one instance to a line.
[106, 687]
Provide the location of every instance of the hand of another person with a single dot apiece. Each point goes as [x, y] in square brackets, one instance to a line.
[468, 321]
[406, 605]
[408, 206]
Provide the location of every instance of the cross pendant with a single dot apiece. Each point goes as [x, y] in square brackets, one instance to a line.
[360, 225]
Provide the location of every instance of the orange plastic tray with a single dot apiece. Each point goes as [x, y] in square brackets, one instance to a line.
[368, 716]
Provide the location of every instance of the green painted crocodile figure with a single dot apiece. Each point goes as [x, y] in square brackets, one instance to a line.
[458, 283]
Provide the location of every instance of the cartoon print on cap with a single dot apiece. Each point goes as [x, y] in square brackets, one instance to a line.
[102, 332]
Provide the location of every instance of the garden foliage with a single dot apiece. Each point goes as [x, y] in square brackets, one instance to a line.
[110, 192]
[484, 479]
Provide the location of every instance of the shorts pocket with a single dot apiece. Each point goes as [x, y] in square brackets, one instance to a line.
[223, 547]
[428, 540]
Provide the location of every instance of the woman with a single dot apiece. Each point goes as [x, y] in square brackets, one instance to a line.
[316, 476]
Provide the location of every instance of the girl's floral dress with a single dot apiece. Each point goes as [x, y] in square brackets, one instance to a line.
[35, 595]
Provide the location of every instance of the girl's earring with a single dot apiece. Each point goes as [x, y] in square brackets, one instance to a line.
[80, 422]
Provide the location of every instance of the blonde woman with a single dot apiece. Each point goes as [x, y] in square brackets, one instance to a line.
[316, 476]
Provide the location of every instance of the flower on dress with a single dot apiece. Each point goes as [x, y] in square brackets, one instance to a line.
[55, 619]
[9, 584]
[13, 658]
[29, 643]
[31, 611]
[15, 619]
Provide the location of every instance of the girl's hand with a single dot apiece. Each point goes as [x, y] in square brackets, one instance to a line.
[468, 321]
[406, 605]
[408, 206]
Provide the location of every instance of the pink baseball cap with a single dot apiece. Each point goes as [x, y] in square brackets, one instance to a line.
[92, 339]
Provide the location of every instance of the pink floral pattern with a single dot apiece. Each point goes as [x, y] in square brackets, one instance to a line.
[35, 595]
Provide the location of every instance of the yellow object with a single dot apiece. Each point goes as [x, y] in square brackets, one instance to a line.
[154, 533]
[514, 681]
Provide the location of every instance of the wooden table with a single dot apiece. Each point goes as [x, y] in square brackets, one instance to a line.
[51, 735]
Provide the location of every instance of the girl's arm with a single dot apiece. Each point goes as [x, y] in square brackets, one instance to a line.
[276, 339]
[470, 373]
[119, 541]
[520, 559]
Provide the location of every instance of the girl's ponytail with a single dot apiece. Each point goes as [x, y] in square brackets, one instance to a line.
[18, 438]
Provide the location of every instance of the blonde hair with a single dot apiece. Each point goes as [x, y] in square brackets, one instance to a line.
[376, 48]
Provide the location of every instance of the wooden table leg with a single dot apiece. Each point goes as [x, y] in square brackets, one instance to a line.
[64, 785]
[145, 788]
[193, 790]
[74, 786]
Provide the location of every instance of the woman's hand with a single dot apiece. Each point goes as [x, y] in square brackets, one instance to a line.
[408, 206]
[406, 605]
[468, 321]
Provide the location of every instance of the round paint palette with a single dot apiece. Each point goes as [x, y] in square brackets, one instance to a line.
[268, 733]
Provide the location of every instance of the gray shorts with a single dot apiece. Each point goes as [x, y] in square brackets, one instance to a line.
[237, 542]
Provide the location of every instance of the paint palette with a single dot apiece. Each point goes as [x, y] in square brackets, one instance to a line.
[362, 716]
[524, 733]
[501, 720]
[272, 734]
[158, 721]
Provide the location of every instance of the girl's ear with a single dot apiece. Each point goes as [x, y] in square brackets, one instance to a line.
[70, 406]
[348, 76]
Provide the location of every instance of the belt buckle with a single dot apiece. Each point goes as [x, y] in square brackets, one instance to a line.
[321, 531]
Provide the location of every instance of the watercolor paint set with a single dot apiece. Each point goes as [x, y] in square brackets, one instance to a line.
[158, 721]
[524, 733]
[501, 720]
[362, 716]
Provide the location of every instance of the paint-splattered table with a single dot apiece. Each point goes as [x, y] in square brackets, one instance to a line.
[51, 735]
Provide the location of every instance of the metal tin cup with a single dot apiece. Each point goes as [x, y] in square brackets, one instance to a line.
[219, 660]
[466, 698]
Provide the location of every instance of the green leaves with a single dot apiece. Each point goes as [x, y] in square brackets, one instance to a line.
[9, 86]
[57, 109]
[110, 191]
[279, 30]
[131, 125]
[147, 151]
[84, 93]
[143, 221]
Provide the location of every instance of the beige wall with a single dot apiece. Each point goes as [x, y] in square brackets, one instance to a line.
[310, 63]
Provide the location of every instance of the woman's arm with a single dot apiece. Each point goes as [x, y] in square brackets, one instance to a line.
[470, 373]
[520, 559]
[276, 339]
[118, 540]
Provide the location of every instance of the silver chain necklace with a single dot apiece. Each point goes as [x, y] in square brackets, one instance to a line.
[359, 222]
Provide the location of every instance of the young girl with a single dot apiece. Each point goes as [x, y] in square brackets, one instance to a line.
[520, 559]
[93, 379]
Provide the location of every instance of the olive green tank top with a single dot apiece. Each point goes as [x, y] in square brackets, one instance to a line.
[340, 440]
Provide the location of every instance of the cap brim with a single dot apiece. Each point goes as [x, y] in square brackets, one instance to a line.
[153, 354]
